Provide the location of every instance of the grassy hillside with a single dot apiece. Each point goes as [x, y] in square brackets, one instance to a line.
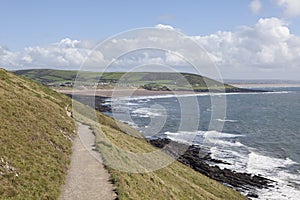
[35, 139]
[175, 181]
[35, 146]
[173, 81]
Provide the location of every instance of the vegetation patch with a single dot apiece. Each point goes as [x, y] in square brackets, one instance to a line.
[35, 139]
[147, 80]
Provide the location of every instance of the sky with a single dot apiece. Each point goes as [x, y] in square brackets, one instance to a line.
[246, 39]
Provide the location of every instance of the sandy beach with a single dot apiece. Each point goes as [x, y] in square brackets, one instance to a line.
[122, 92]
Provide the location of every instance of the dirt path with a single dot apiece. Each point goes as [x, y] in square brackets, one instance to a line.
[87, 178]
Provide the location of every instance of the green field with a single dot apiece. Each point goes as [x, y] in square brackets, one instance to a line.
[172, 81]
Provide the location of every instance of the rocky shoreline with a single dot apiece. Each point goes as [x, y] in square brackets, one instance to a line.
[194, 156]
[197, 158]
[96, 102]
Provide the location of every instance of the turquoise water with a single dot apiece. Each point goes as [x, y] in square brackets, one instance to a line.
[261, 133]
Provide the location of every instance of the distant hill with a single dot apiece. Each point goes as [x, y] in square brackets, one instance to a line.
[147, 80]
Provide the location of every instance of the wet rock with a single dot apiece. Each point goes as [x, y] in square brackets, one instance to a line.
[197, 158]
[96, 102]
[252, 195]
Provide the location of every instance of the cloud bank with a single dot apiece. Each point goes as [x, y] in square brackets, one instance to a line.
[255, 6]
[267, 49]
[291, 7]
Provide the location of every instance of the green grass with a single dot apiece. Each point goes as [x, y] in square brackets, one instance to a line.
[35, 139]
[35, 148]
[174, 81]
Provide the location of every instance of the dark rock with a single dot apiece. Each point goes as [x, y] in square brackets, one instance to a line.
[198, 159]
[252, 195]
[231, 90]
[96, 102]
[244, 90]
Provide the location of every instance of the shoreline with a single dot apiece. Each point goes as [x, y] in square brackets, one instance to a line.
[201, 161]
[109, 93]
[247, 184]
[264, 85]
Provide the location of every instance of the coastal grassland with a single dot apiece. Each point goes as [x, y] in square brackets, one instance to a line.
[35, 139]
[156, 80]
[175, 181]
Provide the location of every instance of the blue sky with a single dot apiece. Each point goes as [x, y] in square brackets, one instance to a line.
[26, 24]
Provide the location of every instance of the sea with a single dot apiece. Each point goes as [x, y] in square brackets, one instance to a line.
[260, 133]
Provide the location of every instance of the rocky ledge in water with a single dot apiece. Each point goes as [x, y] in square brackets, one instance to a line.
[96, 102]
[197, 158]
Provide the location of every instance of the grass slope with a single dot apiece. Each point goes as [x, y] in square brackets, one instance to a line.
[176, 181]
[35, 147]
[35, 139]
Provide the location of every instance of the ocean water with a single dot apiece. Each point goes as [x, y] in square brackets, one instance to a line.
[261, 133]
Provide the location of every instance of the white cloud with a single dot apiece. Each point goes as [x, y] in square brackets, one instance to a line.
[255, 6]
[267, 49]
[68, 43]
[291, 7]
[65, 54]
[264, 49]
[162, 26]
[174, 59]
[8, 58]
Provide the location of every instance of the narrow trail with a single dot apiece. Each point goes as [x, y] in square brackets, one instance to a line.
[87, 178]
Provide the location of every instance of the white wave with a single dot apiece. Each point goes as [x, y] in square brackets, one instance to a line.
[280, 192]
[216, 138]
[148, 98]
[224, 143]
[273, 168]
[216, 134]
[131, 104]
[130, 123]
[237, 160]
[147, 112]
[181, 140]
[185, 133]
[206, 134]
[227, 120]
[208, 110]
[143, 100]
[170, 133]
[288, 177]
[244, 159]
[265, 165]
[106, 103]
[209, 137]
[184, 136]
[287, 184]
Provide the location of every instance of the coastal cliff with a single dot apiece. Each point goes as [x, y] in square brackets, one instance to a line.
[36, 139]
